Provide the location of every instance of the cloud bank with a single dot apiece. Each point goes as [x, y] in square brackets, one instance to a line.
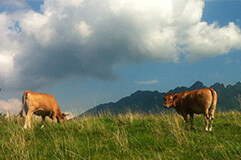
[10, 106]
[147, 82]
[90, 37]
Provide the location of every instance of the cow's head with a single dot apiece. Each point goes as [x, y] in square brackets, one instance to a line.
[169, 100]
[62, 118]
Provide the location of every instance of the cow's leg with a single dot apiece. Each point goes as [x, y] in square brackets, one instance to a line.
[28, 118]
[54, 117]
[186, 121]
[206, 122]
[191, 118]
[206, 115]
[211, 117]
[43, 121]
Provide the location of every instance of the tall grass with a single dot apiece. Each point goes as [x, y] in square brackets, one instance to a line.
[123, 137]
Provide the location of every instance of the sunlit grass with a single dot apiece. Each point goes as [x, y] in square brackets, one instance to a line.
[123, 137]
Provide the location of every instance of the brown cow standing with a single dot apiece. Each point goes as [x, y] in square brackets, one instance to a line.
[201, 101]
[40, 104]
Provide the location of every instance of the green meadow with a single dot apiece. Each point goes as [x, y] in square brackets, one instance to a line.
[130, 136]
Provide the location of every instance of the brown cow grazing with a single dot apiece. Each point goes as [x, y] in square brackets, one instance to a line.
[201, 101]
[40, 104]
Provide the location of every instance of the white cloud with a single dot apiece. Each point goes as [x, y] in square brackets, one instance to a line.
[84, 29]
[10, 106]
[220, 0]
[147, 82]
[210, 40]
[6, 64]
[89, 38]
[17, 3]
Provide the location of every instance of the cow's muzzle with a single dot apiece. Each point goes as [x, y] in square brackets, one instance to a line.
[165, 105]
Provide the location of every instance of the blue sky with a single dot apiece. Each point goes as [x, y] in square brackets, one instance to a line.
[91, 52]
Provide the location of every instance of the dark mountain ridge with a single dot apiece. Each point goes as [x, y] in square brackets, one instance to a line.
[229, 98]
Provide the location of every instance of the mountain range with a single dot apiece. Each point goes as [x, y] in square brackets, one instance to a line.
[229, 98]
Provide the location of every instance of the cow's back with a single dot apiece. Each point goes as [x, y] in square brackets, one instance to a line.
[196, 101]
[41, 101]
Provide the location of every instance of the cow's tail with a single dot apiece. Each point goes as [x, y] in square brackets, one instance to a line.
[213, 106]
[23, 103]
[20, 113]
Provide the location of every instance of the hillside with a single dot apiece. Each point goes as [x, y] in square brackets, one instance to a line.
[229, 98]
[140, 101]
[123, 137]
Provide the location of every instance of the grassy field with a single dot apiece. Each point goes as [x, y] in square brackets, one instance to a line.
[123, 137]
